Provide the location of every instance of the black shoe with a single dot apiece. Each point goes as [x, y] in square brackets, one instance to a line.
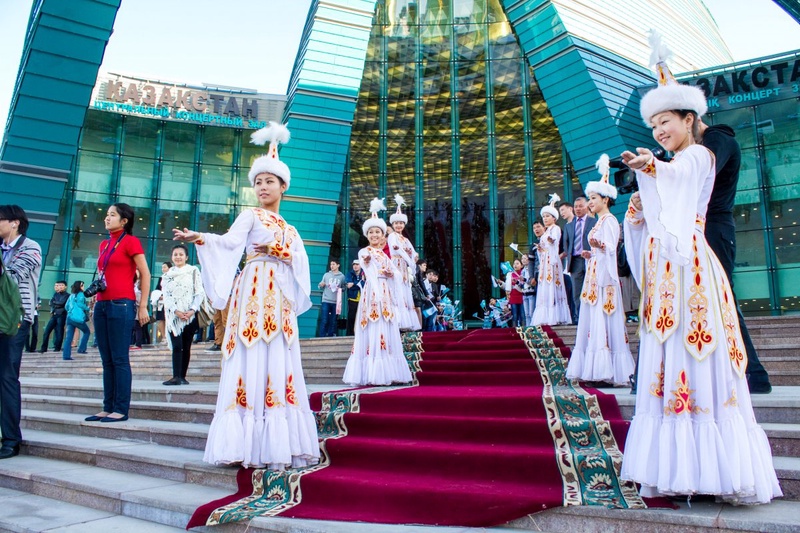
[109, 419]
[43, 351]
[759, 387]
[6, 452]
[173, 381]
[81, 352]
[68, 359]
[184, 382]
[214, 348]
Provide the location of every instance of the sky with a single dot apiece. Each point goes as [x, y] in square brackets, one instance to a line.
[253, 43]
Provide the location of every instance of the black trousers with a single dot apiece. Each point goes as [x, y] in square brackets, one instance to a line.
[721, 236]
[352, 311]
[10, 393]
[33, 338]
[57, 324]
[182, 348]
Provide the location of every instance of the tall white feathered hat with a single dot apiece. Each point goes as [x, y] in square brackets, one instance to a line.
[273, 134]
[669, 95]
[375, 221]
[398, 215]
[551, 207]
[602, 187]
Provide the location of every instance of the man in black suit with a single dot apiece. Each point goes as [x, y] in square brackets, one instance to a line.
[721, 230]
[576, 247]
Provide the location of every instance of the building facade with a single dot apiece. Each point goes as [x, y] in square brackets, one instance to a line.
[473, 110]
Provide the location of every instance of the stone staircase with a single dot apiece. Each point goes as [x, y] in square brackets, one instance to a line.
[147, 474]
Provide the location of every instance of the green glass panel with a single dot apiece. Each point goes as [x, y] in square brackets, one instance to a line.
[141, 136]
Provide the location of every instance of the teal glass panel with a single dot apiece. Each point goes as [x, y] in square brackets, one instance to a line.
[100, 131]
[136, 181]
[218, 144]
[176, 185]
[216, 184]
[141, 137]
[179, 142]
[95, 172]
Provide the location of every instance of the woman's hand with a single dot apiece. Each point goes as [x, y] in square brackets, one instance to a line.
[143, 316]
[638, 160]
[594, 243]
[185, 315]
[185, 235]
[636, 201]
[586, 254]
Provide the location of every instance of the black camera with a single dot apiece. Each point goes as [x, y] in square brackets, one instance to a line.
[625, 178]
[98, 285]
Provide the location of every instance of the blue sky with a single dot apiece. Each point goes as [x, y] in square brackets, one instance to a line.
[253, 43]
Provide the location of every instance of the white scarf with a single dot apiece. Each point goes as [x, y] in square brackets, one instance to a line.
[180, 284]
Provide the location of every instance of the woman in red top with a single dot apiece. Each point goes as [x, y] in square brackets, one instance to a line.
[514, 283]
[115, 310]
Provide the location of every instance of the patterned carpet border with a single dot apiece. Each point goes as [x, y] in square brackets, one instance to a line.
[586, 450]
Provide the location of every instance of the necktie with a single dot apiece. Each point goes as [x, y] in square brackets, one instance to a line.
[579, 236]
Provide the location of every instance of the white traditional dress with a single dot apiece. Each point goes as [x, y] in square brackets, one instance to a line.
[693, 430]
[551, 299]
[377, 356]
[262, 418]
[404, 257]
[601, 347]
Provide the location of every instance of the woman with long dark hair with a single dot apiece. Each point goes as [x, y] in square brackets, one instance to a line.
[121, 256]
[77, 316]
[22, 260]
[183, 296]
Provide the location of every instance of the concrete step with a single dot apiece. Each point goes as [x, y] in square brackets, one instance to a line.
[24, 512]
[178, 434]
[155, 460]
[140, 410]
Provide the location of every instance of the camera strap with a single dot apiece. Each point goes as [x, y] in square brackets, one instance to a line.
[102, 270]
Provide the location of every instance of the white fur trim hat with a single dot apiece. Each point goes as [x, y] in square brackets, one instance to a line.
[398, 216]
[550, 208]
[669, 95]
[275, 134]
[602, 187]
[375, 221]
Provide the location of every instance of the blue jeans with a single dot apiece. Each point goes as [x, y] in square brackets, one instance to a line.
[518, 314]
[10, 395]
[66, 352]
[327, 321]
[113, 325]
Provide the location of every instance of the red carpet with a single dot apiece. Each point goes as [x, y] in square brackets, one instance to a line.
[490, 433]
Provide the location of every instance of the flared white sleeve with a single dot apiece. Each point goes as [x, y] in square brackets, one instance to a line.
[219, 256]
[199, 296]
[670, 193]
[294, 279]
[635, 228]
[609, 238]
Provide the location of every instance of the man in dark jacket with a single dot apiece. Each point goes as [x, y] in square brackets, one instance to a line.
[721, 229]
[58, 317]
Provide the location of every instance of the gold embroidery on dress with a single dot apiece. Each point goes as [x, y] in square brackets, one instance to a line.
[288, 326]
[732, 401]
[270, 400]
[698, 337]
[666, 321]
[683, 401]
[270, 307]
[733, 337]
[250, 332]
[291, 397]
[608, 306]
[650, 276]
[233, 313]
[657, 388]
[240, 400]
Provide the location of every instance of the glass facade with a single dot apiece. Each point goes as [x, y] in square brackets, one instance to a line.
[449, 116]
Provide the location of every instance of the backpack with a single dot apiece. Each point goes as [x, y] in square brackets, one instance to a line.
[11, 311]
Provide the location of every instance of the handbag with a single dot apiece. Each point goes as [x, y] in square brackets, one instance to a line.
[11, 312]
[75, 312]
[204, 315]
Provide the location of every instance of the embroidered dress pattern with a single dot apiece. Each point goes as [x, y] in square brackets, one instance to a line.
[699, 339]
[665, 322]
[683, 401]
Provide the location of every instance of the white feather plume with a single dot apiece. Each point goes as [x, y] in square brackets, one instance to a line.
[377, 205]
[658, 50]
[602, 165]
[554, 199]
[399, 200]
[274, 132]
